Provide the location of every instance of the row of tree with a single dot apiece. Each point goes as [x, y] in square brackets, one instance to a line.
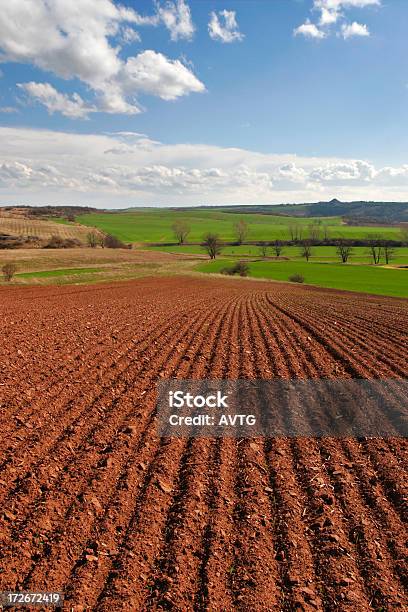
[314, 233]
[378, 249]
[106, 241]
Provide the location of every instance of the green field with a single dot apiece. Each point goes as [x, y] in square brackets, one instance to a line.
[361, 278]
[320, 253]
[155, 225]
[55, 273]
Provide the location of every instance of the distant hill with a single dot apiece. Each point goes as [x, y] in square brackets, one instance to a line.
[354, 213]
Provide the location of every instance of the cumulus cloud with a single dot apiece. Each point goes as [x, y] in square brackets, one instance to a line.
[78, 44]
[309, 30]
[339, 173]
[152, 73]
[126, 168]
[330, 12]
[176, 16]
[69, 106]
[348, 30]
[328, 16]
[224, 27]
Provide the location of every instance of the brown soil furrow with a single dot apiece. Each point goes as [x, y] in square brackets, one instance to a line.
[122, 364]
[146, 549]
[352, 333]
[214, 583]
[97, 505]
[376, 564]
[356, 366]
[82, 369]
[362, 344]
[92, 457]
[189, 516]
[84, 416]
[335, 555]
[254, 565]
[331, 592]
[388, 594]
[93, 378]
[297, 564]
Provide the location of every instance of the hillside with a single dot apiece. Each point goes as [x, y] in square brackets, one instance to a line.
[24, 227]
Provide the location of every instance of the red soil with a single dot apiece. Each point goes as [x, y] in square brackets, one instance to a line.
[94, 504]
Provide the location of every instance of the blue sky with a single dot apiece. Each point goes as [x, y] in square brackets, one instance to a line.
[200, 101]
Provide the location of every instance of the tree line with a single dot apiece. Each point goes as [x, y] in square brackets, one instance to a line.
[305, 237]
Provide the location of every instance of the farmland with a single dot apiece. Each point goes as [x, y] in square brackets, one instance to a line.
[24, 226]
[361, 278]
[95, 504]
[85, 265]
[155, 225]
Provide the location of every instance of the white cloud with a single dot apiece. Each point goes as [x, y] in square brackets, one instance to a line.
[73, 107]
[339, 173]
[129, 35]
[348, 30]
[152, 73]
[328, 16]
[309, 30]
[176, 16]
[124, 169]
[229, 31]
[78, 44]
[331, 12]
[339, 4]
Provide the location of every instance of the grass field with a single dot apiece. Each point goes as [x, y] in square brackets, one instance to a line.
[321, 253]
[156, 225]
[361, 278]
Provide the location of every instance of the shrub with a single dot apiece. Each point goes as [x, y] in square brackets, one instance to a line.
[241, 268]
[56, 242]
[111, 242]
[9, 269]
[297, 278]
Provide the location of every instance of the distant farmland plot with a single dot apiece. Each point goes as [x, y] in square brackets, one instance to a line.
[360, 278]
[155, 225]
[23, 226]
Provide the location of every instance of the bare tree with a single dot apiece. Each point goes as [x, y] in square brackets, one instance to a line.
[263, 249]
[326, 232]
[306, 250]
[295, 232]
[277, 247]
[404, 233]
[314, 231]
[181, 230]
[241, 229]
[212, 245]
[92, 239]
[344, 250]
[9, 270]
[375, 249]
[388, 250]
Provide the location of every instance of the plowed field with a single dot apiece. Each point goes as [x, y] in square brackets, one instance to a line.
[94, 504]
